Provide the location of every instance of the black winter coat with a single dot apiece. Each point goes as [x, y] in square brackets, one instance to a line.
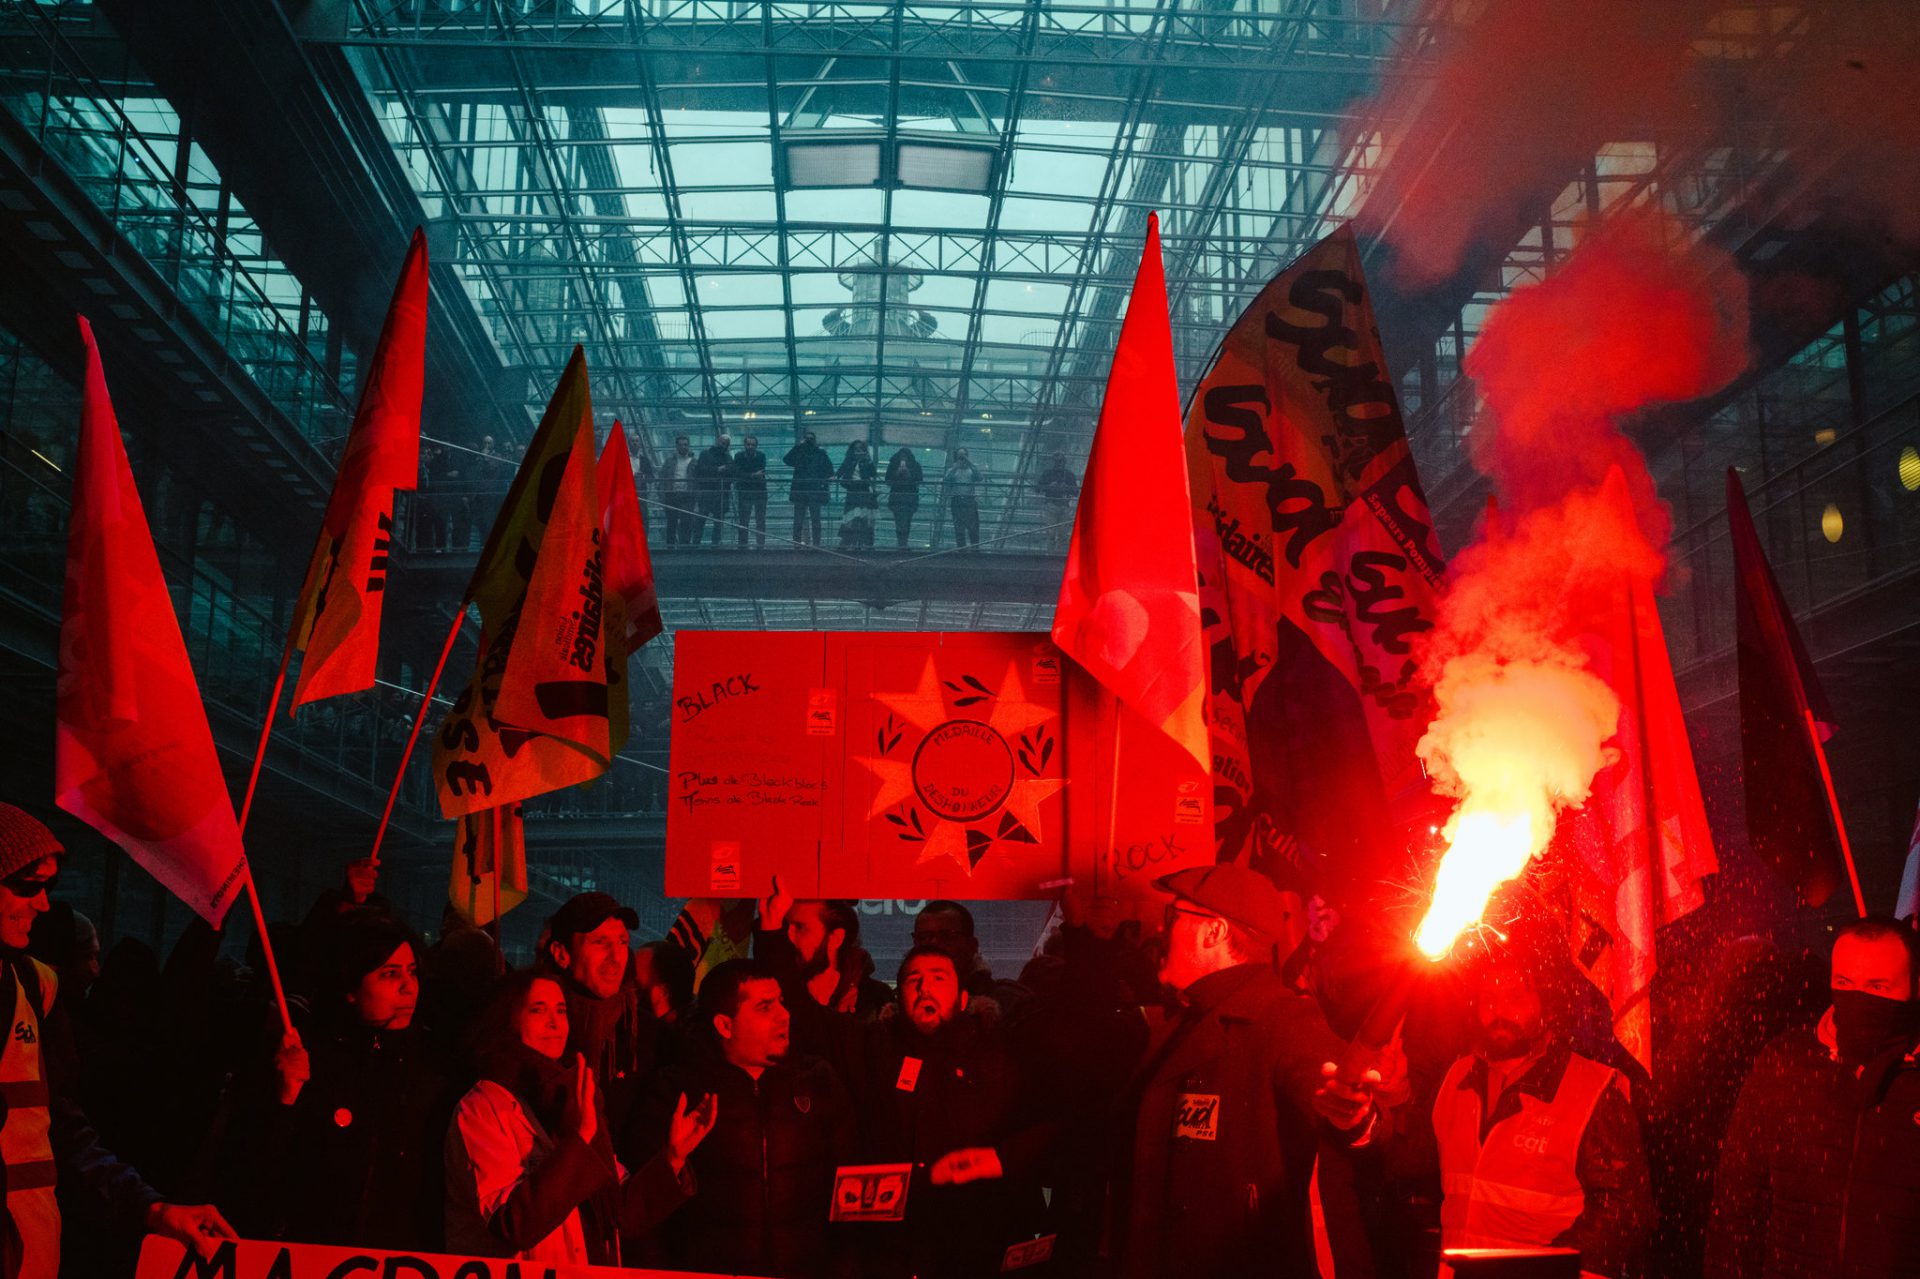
[1820, 1171]
[765, 1172]
[356, 1161]
[1224, 1135]
[812, 469]
[962, 1090]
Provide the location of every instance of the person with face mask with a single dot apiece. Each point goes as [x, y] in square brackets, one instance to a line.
[1538, 1145]
[1230, 1105]
[530, 1168]
[1820, 1171]
[786, 1122]
[352, 1130]
[943, 1093]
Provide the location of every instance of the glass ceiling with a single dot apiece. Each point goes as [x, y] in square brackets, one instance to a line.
[910, 224]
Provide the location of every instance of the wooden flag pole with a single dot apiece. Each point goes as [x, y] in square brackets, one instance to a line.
[266, 729]
[420, 717]
[1833, 806]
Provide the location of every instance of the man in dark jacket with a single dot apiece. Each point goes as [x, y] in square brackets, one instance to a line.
[588, 950]
[784, 1123]
[1820, 1172]
[45, 1139]
[713, 479]
[811, 947]
[1059, 489]
[943, 1093]
[1230, 1104]
[812, 472]
[750, 490]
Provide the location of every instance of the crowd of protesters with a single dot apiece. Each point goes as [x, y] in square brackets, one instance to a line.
[1170, 1100]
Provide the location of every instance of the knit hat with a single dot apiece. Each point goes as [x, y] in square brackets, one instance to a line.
[24, 840]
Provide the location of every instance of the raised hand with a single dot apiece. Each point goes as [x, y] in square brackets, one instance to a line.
[582, 1113]
[774, 908]
[690, 1127]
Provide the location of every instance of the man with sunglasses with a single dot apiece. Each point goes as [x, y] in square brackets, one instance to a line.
[1231, 1104]
[45, 1139]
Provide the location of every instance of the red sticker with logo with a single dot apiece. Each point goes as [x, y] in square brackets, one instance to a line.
[823, 712]
[1198, 1116]
[909, 1074]
[725, 877]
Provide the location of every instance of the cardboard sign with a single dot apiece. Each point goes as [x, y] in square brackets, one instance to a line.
[871, 1192]
[1029, 1252]
[1197, 1117]
[917, 765]
[256, 1259]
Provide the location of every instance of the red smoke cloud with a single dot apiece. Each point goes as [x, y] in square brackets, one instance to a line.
[1523, 723]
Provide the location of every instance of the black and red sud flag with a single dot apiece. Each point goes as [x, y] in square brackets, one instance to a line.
[1318, 566]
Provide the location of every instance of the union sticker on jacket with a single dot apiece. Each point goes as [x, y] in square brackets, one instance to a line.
[1198, 1116]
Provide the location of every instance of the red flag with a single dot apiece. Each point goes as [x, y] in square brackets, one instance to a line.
[1642, 836]
[133, 756]
[1129, 609]
[337, 619]
[629, 566]
[1788, 821]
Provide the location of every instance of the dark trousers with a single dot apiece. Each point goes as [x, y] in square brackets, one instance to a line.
[966, 522]
[753, 511]
[713, 506]
[903, 519]
[682, 524]
[806, 520]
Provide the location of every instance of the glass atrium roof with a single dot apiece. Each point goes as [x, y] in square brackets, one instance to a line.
[911, 224]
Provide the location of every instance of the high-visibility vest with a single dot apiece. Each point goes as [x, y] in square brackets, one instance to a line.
[1520, 1188]
[25, 1144]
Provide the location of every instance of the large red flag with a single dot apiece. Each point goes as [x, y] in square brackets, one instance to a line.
[1788, 821]
[337, 619]
[133, 756]
[1642, 837]
[1129, 609]
[629, 565]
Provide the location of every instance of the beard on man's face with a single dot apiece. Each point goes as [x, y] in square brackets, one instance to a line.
[1502, 1040]
[813, 965]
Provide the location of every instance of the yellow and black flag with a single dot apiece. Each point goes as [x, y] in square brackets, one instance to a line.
[537, 714]
[489, 864]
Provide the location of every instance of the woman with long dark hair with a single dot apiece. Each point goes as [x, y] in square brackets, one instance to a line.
[529, 1161]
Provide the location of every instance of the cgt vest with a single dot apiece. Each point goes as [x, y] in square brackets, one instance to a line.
[1519, 1188]
[26, 1147]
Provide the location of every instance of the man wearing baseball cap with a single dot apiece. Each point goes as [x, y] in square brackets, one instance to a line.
[45, 1139]
[589, 950]
[1231, 1104]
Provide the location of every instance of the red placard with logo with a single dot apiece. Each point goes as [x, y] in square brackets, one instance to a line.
[914, 765]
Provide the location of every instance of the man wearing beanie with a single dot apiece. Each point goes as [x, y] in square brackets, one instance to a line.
[1230, 1104]
[45, 1139]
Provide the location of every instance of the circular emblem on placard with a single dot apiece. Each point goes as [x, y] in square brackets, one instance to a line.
[963, 770]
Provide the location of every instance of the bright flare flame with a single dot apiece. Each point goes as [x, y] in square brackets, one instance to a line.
[1487, 850]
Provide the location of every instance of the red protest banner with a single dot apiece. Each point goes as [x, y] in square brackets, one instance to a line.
[259, 1259]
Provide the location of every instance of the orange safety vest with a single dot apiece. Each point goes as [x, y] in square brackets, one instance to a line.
[1519, 1188]
[26, 1146]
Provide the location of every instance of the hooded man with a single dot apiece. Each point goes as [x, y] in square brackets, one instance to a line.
[1820, 1171]
[45, 1139]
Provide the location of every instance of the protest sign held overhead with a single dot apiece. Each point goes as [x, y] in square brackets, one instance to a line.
[133, 756]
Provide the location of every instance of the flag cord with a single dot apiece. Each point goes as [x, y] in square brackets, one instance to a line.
[420, 717]
[266, 728]
[1833, 806]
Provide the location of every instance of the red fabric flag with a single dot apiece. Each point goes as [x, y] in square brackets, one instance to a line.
[337, 619]
[1129, 609]
[1788, 820]
[629, 565]
[1642, 837]
[133, 756]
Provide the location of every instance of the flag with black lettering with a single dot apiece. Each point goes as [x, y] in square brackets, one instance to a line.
[489, 864]
[336, 621]
[537, 715]
[1318, 565]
